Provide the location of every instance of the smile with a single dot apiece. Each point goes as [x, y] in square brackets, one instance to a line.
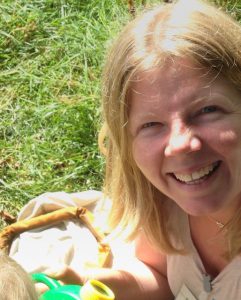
[197, 176]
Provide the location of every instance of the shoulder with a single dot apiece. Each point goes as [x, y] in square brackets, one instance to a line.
[150, 255]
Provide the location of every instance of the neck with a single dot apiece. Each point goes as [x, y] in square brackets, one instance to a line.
[226, 215]
[219, 224]
[208, 227]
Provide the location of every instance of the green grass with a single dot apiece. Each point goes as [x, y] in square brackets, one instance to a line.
[51, 57]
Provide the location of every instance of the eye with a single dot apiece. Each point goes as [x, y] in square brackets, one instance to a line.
[208, 109]
[209, 113]
[150, 124]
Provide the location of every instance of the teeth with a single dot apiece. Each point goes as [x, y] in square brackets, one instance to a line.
[188, 178]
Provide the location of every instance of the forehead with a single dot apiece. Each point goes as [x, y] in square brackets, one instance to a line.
[177, 88]
[172, 81]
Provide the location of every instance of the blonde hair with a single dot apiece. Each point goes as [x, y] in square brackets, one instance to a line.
[186, 29]
[15, 283]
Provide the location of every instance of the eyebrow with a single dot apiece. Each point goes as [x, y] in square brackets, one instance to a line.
[231, 101]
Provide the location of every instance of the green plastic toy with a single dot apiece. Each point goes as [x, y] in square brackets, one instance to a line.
[91, 290]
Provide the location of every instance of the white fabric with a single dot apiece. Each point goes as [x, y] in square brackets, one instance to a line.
[66, 243]
[185, 294]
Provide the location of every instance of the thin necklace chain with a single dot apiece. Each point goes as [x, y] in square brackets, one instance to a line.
[219, 224]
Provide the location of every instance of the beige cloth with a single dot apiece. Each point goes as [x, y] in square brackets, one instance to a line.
[68, 242]
[188, 270]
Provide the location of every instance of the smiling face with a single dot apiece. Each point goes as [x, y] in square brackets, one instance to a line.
[186, 137]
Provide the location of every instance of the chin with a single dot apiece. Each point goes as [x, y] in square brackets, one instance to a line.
[200, 209]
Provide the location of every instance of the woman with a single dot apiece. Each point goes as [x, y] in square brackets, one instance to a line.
[172, 105]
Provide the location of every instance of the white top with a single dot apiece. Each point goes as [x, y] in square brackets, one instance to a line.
[187, 271]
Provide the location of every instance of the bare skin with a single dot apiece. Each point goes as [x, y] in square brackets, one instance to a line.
[208, 239]
[139, 278]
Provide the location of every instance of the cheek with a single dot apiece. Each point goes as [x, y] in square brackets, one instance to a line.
[229, 137]
[230, 141]
[144, 154]
[139, 153]
[224, 140]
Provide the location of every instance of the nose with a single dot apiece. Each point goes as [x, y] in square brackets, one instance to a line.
[181, 141]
